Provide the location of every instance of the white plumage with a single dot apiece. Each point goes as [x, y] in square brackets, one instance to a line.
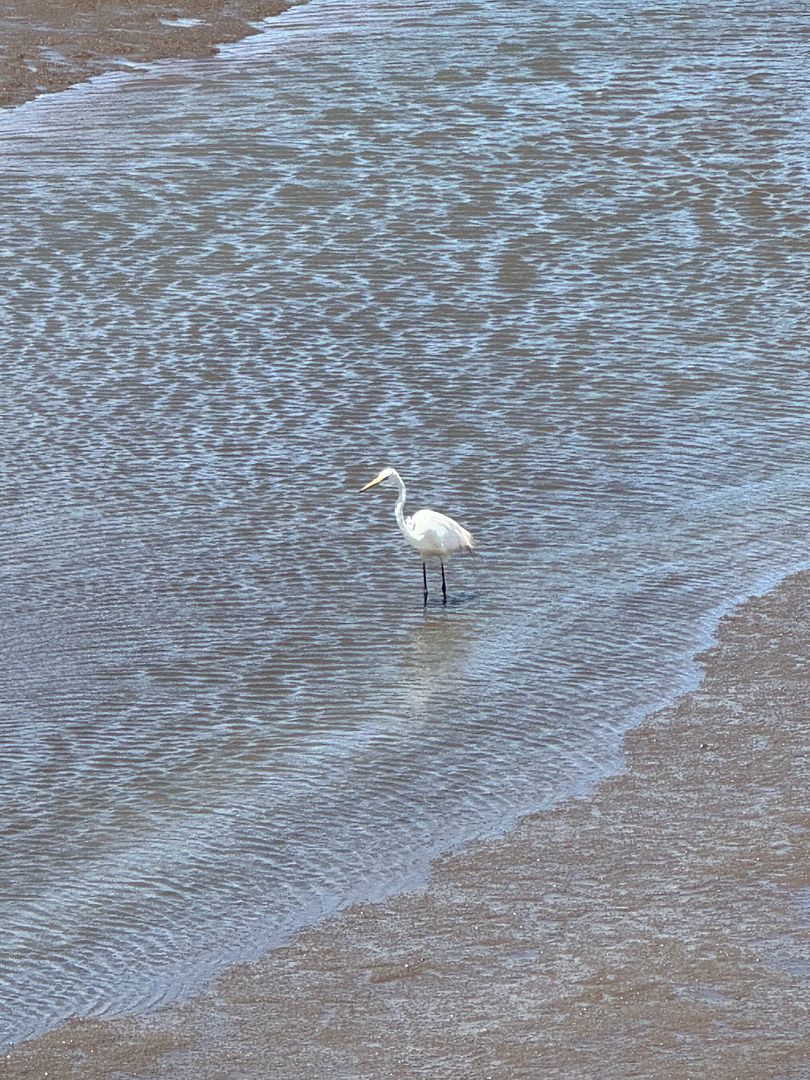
[434, 535]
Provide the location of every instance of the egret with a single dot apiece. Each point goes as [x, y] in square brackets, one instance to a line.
[434, 535]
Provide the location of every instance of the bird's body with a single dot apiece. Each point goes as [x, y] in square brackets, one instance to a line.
[436, 536]
[433, 535]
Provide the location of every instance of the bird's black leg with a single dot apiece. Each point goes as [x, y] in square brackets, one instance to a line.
[444, 587]
[424, 579]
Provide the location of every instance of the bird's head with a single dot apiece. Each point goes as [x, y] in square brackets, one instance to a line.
[378, 479]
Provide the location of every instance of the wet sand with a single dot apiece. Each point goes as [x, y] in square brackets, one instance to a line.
[48, 45]
[658, 928]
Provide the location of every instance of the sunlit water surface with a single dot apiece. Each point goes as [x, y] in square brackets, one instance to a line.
[550, 260]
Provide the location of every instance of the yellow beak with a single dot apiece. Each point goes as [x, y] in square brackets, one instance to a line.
[371, 483]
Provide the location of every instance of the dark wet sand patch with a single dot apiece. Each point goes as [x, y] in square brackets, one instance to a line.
[656, 929]
[48, 45]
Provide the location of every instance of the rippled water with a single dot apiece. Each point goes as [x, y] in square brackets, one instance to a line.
[550, 261]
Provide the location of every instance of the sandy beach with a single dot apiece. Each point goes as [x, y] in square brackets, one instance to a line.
[656, 929]
[48, 45]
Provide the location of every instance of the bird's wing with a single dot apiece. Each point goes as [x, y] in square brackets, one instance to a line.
[441, 532]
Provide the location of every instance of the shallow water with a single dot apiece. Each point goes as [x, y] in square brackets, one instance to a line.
[549, 260]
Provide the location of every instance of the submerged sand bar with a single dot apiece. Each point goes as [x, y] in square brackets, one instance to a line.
[656, 929]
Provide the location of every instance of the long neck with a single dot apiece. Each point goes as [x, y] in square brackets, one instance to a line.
[398, 510]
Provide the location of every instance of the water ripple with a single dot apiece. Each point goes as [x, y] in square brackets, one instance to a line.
[545, 262]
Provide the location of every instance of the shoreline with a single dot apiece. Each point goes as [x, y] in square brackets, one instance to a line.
[656, 927]
[47, 46]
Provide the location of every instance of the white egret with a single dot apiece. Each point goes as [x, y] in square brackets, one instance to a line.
[434, 535]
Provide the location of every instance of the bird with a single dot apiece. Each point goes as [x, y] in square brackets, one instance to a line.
[434, 535]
